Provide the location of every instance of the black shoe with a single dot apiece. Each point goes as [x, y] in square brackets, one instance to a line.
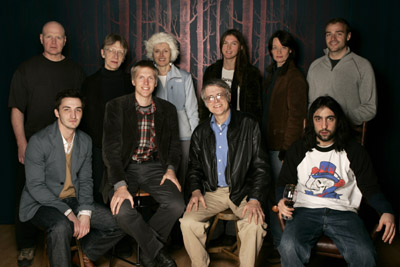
[123, 248]
[164, 259]
[146, 261]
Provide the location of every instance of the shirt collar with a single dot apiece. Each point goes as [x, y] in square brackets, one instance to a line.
[68, 146]
[226, 123]
[150, 111]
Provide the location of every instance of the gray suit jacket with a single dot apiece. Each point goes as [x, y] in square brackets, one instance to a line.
[45, 168]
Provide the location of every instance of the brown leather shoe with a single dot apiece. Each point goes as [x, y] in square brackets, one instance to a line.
[86, 261]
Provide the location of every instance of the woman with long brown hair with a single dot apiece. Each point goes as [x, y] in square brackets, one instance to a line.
[235, 69]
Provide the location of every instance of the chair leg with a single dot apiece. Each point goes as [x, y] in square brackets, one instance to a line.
[211, 232]
[80, 253]
[138, 255]
[238, 242]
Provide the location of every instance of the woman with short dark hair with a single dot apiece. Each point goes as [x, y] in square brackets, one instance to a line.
[284, 106]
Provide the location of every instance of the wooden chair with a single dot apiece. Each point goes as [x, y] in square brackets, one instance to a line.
[233, 250]
[138, 197]
[361, 132]
[76, 247]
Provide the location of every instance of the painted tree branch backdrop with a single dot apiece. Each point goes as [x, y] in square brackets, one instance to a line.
[196, 24]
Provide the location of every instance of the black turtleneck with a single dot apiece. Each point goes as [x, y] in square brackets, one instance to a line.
[98, 89]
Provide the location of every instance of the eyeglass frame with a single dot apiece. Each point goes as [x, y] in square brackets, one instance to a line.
[120, 53]
[218, 97]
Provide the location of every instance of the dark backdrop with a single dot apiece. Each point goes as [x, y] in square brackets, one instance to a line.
[197, 25]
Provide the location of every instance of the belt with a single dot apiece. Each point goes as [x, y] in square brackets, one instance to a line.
[152, 158]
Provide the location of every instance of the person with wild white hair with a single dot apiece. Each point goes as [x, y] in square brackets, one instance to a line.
[176, 86]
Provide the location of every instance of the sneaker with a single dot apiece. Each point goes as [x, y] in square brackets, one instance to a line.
[25, 257]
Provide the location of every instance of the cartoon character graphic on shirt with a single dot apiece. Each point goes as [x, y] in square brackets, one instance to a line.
[324, 181]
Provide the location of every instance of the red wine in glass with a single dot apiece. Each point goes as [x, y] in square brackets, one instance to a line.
[289, 194]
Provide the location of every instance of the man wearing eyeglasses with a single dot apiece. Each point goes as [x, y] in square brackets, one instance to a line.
[33, 89]
[228, 169]
[109, 82]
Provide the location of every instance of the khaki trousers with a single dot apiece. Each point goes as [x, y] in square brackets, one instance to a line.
[195, 223]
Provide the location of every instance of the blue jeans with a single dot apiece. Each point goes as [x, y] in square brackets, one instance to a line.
[104, 232]
[276, 231]
[345, 228]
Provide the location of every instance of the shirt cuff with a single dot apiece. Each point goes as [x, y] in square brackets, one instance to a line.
[85, 212]
[171, 167]
[67, 212]
[119, 184]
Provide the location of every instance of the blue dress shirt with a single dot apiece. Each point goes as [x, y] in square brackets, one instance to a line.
[221, 149]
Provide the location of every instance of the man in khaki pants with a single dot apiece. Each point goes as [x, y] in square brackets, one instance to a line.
[227, 169]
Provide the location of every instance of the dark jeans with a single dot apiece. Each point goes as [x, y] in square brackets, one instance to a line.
[104, 232]
[25, 232]
[274, 224]
[345, 228]
[150, 236]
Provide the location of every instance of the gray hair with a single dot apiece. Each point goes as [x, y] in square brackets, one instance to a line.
[158, 38]
[215, 82]
[112, 38]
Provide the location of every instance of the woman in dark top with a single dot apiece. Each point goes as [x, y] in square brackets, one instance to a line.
[284, 106]
[107, 83]
[235, 69]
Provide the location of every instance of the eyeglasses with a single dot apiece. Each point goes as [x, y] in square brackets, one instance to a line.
[211, 98]
[113, 51]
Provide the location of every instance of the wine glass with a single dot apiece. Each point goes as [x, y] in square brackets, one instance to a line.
[289, 195]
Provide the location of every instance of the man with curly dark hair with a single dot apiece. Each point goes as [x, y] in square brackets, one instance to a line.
[332, 173]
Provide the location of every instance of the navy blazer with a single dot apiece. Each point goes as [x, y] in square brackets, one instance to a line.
[45, 168]
[120, 137]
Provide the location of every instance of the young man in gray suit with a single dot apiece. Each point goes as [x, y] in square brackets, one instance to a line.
[58, 194]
